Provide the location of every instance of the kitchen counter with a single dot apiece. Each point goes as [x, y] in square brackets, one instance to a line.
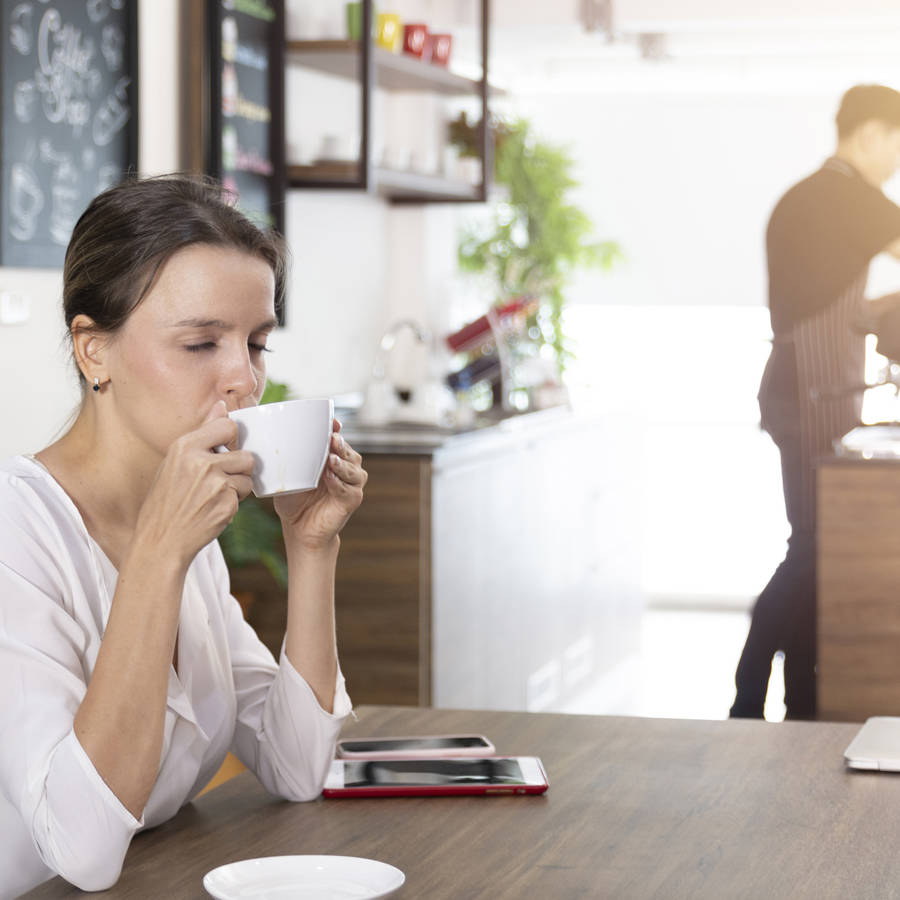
[858, 561]
[867, 444]
[445, 442]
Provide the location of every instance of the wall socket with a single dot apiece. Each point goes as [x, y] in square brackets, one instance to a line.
[14, 308]
[542, 687]
[578, 661]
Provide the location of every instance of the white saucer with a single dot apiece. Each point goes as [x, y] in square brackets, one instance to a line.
[322, 877]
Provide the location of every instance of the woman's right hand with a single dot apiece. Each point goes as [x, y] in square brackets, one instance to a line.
[196, 491]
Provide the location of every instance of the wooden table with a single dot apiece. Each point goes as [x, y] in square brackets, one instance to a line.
[636, 808]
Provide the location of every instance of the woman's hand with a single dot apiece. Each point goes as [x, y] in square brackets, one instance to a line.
[314, 518]
[196, 491]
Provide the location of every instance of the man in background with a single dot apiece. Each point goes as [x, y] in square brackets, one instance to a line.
[821, 237]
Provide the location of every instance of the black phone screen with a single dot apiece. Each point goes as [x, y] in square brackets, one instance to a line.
[413, 772]
[403, 744]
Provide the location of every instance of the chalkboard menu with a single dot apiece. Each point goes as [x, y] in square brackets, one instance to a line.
[247, 104]
[69, 118]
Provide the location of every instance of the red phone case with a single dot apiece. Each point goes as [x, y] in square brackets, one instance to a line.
[444, 790]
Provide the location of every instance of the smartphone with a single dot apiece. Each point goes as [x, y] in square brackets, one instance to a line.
[405, 747]
[435, 776]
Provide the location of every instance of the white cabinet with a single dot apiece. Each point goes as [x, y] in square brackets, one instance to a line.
[535, 567]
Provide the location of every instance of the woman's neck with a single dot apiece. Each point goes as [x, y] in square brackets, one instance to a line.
[106, 476]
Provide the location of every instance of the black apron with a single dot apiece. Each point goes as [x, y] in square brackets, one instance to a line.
[811, 387]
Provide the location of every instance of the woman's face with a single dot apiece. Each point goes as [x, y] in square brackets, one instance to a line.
[197, 337]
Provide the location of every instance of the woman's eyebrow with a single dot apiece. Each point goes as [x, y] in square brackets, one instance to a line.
[267, 325]
[201, 323]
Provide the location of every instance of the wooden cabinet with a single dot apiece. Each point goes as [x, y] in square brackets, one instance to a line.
[374, 68]
[382, 590]
[858, 590]
[383, 587]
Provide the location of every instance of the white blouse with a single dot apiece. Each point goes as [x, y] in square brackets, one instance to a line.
[57, 815]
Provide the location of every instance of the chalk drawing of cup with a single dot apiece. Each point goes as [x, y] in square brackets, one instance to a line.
[24, 97]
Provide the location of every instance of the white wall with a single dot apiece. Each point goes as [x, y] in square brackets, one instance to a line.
[38, 390]
[336, 295]
[647, 12]
[685, 183]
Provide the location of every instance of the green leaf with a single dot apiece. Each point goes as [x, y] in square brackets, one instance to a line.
[277, 566]
[254, 536]
[275, 392]
[535, 238]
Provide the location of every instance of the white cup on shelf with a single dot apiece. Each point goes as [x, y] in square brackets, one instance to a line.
[397, 158]
[469, 169]
[449, 161]
[424, 162]
[330, 147]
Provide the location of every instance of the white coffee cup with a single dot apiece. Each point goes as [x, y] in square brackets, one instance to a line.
[289, 442]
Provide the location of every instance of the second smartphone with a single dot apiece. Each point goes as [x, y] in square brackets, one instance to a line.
[423, 745]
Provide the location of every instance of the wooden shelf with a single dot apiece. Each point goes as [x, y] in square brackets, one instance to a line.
[393, 71]
[413, 185]
[389, 183]
[331, 171]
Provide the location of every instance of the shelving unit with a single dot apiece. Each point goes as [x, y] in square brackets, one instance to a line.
[411, 185]
[393, 71]
[377, 68]
[392, 183]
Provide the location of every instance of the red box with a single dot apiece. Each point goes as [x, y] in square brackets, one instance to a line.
[478, 332]
[415, 40]
[440, 48]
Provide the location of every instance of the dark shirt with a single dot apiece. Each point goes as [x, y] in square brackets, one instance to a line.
[821, 237]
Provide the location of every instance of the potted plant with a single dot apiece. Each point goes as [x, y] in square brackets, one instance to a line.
[253, 539]
[534, 237]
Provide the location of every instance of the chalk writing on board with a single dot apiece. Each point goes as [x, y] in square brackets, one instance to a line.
[98, 10]
[26, 202]
[68, 131]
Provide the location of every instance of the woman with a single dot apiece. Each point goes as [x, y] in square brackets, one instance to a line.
[128, 671]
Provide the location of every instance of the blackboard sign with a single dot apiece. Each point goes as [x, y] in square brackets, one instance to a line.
[69, 118]
[246, 39]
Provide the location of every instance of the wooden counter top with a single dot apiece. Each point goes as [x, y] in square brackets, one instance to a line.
[855, 460]
[418, 440]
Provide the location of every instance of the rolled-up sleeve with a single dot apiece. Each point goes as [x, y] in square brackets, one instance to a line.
[285, 731]
[78, 826]
[81, 828]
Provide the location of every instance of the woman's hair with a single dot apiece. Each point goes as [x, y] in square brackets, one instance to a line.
[865, 102]
[128, 233]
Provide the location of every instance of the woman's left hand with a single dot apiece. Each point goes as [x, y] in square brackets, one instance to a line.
[314, 518]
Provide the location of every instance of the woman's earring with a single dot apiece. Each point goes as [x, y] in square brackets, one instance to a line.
[96, 383]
